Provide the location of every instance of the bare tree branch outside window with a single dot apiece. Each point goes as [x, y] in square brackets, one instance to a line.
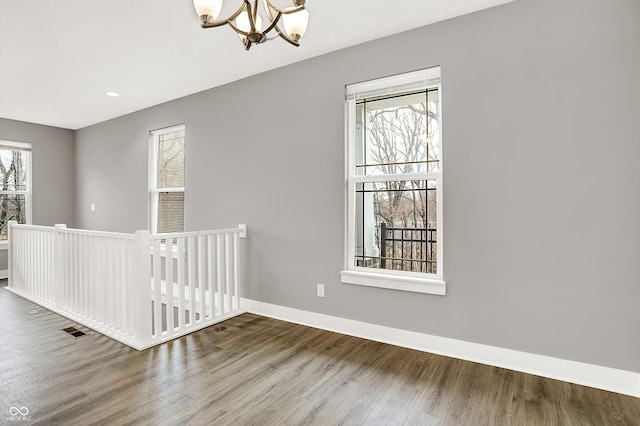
[13, 178]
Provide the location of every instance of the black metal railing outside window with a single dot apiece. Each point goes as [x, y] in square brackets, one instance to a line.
[404, 249]
[408, 249]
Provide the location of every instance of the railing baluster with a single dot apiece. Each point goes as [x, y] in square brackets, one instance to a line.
[168, 266]
[92, 281]
[31, 255]
[191, 265]
[181, 283]
[96, 276]
[131, 282]
[211, 276]
[82, 254]
[219, 283]
[201, 277]
[157, 290]
[236, 280]
[228, 266]
[110, 284]
[120, 270]
[68, 274]
[43, 266]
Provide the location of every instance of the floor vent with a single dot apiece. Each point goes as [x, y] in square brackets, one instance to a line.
[219, 329]
[74, 331]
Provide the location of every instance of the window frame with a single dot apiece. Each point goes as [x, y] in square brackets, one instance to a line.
[419, 282]
[24, 147]
[154, 191]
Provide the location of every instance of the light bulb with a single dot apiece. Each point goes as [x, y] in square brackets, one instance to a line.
[207, 10]
[295, 24]
[243, 23]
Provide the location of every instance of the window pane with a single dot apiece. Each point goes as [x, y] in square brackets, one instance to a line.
[396, 225]
[12, 207]
[13, 170]
[171, 160]
[398, 134]
[170, 212]
[433, 132]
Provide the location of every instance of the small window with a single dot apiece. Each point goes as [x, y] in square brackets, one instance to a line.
[394, 175]
[166, 180]
[15, 178]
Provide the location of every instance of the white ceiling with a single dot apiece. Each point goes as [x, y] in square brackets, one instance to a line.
[58, 58]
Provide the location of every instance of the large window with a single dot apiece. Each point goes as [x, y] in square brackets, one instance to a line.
[15, 178]
[394, 183]
[166, 179]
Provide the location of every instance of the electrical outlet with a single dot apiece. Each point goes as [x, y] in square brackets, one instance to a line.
[320, 290]
[93, 207]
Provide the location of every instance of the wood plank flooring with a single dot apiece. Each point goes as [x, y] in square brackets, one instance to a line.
[260, 371]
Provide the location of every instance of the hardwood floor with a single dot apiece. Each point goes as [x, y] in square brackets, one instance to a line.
[260, 371]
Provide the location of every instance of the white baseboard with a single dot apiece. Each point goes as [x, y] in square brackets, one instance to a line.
[4, 274]
[610, 379]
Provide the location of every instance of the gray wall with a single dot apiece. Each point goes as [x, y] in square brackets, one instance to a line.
[542, 229]
[53, 170]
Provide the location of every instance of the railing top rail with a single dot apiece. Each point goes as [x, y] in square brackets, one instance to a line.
[412, 240]
[38, 227]
[98, 233]
[195, 233]
[132, 236]
[75, 231]
[397, 228]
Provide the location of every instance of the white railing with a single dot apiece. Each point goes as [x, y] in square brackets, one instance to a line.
[194, 280]
[139, 289]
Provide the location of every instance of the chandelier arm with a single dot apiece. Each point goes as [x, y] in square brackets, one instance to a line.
[274, 22]
[252, 24]
[292, 9]
[282, 34]
[214, 24]
[267, 5]
[255, 10]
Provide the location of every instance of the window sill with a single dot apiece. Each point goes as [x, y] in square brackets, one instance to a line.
[395, 282]
[4, 245]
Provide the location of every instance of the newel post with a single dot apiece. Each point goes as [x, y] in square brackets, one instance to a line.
[58, 264]
[141, 289]
[238, 264]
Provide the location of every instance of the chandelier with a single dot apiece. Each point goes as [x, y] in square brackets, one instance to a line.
[247, 22]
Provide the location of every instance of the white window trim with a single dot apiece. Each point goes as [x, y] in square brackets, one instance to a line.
[154, 191]
[396, 280]
[22, 146]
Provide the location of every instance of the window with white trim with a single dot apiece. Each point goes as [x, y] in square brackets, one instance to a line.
[166, 179]
[394, 183]
[15, 178]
